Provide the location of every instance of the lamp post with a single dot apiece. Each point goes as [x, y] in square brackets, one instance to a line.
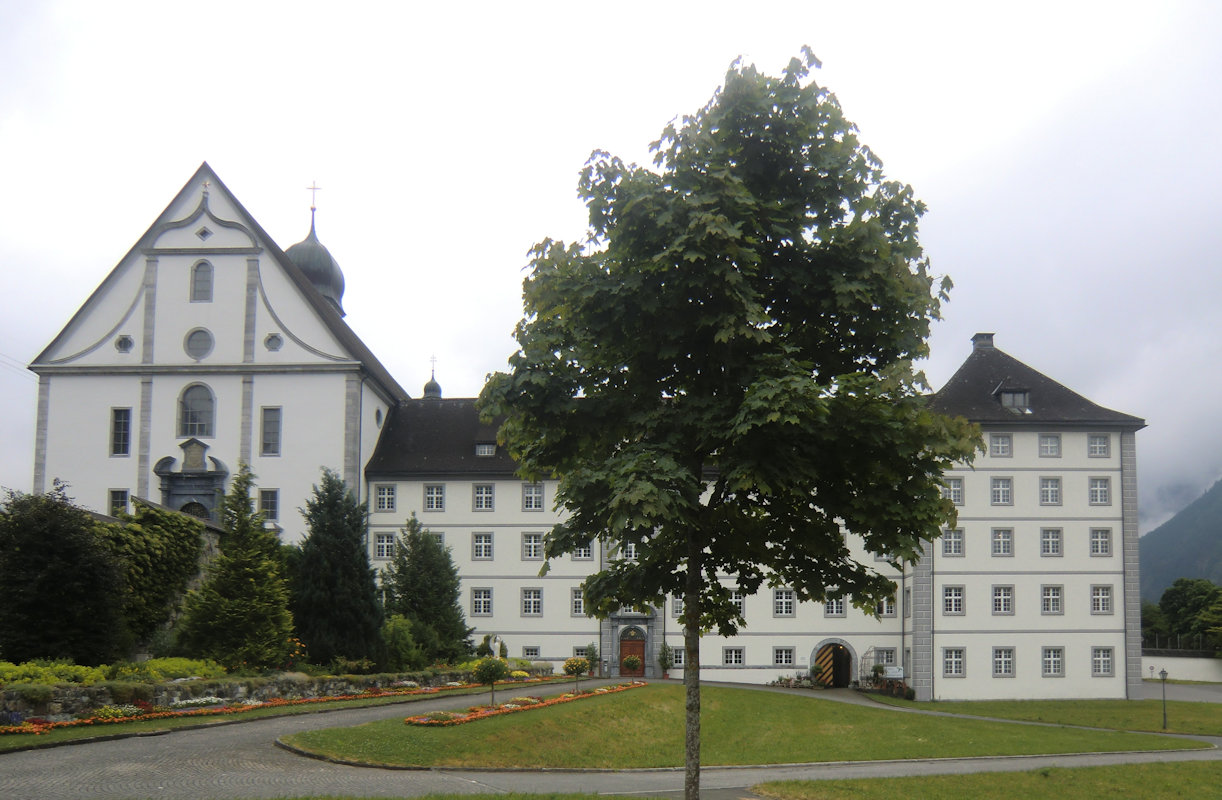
[1163, 674]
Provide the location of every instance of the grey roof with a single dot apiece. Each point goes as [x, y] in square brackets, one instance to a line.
[436, 437]
[974, 392]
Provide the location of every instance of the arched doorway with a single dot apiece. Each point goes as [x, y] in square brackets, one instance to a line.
[632, 643]
[833, 665]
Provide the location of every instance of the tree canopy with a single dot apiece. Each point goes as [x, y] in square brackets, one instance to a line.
[422, 584]
[65, 587]
[334, 593]
[722, 372]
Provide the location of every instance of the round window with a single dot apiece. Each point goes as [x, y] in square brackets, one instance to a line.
[124, 344]
[199, 343]
[273, 342]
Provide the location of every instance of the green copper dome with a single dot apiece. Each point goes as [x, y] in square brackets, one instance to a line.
[313, 258]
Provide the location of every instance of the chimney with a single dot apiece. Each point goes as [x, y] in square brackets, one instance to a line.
[982, 341]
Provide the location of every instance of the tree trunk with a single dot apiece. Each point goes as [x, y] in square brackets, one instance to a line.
[691, 671]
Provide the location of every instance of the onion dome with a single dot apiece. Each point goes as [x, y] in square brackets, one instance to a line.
[432, 389]
[315, 260]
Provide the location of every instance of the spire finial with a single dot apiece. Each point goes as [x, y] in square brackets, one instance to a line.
[313, 189]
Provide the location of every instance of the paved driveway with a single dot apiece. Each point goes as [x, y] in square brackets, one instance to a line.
[242, 761]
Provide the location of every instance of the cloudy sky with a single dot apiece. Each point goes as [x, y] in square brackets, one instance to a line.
[1068, 151]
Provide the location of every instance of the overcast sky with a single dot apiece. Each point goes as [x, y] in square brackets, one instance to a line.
[1069, 154]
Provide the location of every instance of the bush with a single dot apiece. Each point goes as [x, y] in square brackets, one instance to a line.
[49, 672]
[159, 670]
[124, 692]
[35, 694]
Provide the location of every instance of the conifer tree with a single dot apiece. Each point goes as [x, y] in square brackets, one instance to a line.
[422, 584]
[64, 587]
[335, 596]
[240, 616]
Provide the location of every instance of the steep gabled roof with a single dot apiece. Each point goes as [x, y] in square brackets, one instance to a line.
[325, 310]
[436, 437]
[975, 392]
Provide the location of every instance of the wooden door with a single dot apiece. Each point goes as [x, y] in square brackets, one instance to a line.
[631, 647]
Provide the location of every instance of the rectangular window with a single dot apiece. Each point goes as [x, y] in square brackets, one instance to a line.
[118, 501]
[782, 656]
[383, 545]
[579, 652]
[886, 608]
[678, 656]
[884, 656]
[577, 605]
[1050, 542]
[627, 551]
[530, 651]
[1099, 445]
[952, 490]
[1003, 600]
[481, 547]
[833, 607]
[736, 600]
[1052, 600]
[1002, 491]
[481, 602]
[270, 431]
[482, 497]
[384, 498]
[435, 497]
[1100, 491]
[952, 662]
[1100, 541]
[952, 600]
[1050, 445]
[485, 449]
[532, 497]
[732, 656]
[532, 547]
[1000, 445]
[269, 504]
[532, 602]
[907, 602]
[1015, 398]
[1102, 662]
[1003, 542]
[1050, 491]
[952, 543]
[1101, 599]
[1053, 660]
[782, 602]
[583, 553]
[1003, 662]
[676, 606]
[440, 538]
[120, 431]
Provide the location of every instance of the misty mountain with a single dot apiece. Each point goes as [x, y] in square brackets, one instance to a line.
[1189, 545]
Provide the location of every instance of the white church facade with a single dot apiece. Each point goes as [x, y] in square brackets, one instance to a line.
[207, 345]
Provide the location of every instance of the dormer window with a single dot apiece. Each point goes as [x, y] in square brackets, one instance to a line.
[1016, 399]
[485, 449]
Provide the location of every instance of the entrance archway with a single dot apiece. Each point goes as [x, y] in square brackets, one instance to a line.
[833, 665]
[632, 643]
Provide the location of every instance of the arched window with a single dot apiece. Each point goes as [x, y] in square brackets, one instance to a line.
[201, 283]
[196, 411]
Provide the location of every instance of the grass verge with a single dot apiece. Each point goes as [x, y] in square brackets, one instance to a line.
[644, 728]
[1199, 719]
[1174, 780]
[146, 727]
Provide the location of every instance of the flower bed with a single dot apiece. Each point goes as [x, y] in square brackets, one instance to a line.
[112, 715]
[446, 718]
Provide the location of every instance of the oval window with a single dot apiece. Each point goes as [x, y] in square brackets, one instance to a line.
[199, 343]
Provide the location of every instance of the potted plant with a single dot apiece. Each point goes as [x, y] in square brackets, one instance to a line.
[877, 674]
[630, 664]
[576, 666]
[666, 660]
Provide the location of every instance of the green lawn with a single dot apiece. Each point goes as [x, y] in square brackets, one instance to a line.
[1200, 719]
[644, 728]
[1174, 780]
